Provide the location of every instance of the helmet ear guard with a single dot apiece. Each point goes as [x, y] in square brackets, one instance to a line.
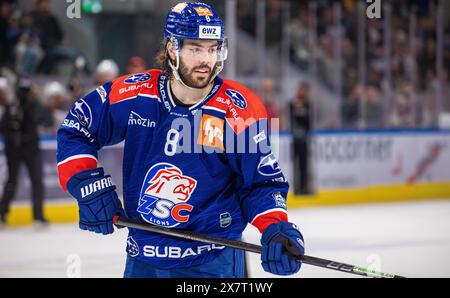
[173, 42]
[222, 53]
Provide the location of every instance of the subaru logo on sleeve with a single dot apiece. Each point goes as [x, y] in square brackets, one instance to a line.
[82, 112]
[268, 166]
[237, 98]
[138, 78]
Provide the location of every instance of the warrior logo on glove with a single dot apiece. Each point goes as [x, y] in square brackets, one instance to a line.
[96, 186]
[164, 196]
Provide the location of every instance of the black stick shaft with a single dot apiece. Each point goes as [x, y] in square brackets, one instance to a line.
[125, 222]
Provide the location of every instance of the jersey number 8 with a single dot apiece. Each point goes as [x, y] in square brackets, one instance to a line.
[173, 136]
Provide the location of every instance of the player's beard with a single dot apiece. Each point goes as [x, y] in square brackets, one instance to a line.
[187, 75]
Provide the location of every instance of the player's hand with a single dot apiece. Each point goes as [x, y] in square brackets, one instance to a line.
[97, 200]
[280, 243]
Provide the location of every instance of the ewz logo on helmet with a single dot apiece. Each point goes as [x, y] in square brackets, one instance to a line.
[209, 32]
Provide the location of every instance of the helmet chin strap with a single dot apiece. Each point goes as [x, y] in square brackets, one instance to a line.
[177, 76]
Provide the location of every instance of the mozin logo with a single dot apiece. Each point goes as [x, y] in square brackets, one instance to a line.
[136, 119]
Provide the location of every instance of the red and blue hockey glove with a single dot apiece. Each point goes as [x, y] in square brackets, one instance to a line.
[97, 200]
[279, 242]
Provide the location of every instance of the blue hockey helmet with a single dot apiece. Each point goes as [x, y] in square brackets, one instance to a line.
[195, 21]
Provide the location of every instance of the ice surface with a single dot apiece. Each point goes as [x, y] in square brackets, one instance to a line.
[410, 239]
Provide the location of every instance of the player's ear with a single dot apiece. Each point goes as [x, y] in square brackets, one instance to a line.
[170, 51]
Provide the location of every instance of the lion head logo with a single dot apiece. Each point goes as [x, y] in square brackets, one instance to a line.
[165, 194]
[171, 184]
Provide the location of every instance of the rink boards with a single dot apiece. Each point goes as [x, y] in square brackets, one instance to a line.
[347, 167]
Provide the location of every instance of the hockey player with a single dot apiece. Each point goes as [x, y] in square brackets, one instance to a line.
[196, 157]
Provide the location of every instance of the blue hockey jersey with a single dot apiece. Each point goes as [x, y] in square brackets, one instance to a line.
[206, 168]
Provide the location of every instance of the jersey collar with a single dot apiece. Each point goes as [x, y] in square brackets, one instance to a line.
[166, 96]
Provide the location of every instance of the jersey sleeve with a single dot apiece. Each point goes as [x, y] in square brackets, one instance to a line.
[90, 125]
[262, 186]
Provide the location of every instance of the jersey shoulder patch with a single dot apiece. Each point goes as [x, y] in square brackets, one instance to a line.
[241, 106]
[131, 85]
[247, 103]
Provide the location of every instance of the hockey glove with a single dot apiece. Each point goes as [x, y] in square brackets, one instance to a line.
[97, 200]
[280, 243]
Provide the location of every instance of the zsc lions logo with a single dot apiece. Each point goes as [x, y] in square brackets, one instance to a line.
[237, 98]
[268, 166]
[138, 78]
[83, 112]
[164, 196]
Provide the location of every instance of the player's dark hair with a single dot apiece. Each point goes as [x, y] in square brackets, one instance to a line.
[162, 58]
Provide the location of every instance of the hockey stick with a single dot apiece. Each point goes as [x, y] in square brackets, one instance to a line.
[125, 222]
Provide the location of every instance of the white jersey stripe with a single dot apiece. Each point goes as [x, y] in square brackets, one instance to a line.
[214, 109]
[77, 157]
[269, 211]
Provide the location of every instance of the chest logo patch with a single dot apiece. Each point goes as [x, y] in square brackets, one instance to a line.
[164, 196]
[211, 132]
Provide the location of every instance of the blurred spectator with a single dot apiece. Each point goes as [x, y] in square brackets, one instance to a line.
[427, 64]
[374, 109]
[107, 70]
[325, 21]
[28, 51]
[9, 75]
[446, 89]
[19, 126]
[403, 112]
[5, 98]
[350, 108]
[300, 120]
[6, 42]
[246, 15]
[269, 100]
[47, 27]
[273, 19]
[5, 93]
[136, 64]
[55, 96]
[412, 55]
[76, 89]
[300, 35]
